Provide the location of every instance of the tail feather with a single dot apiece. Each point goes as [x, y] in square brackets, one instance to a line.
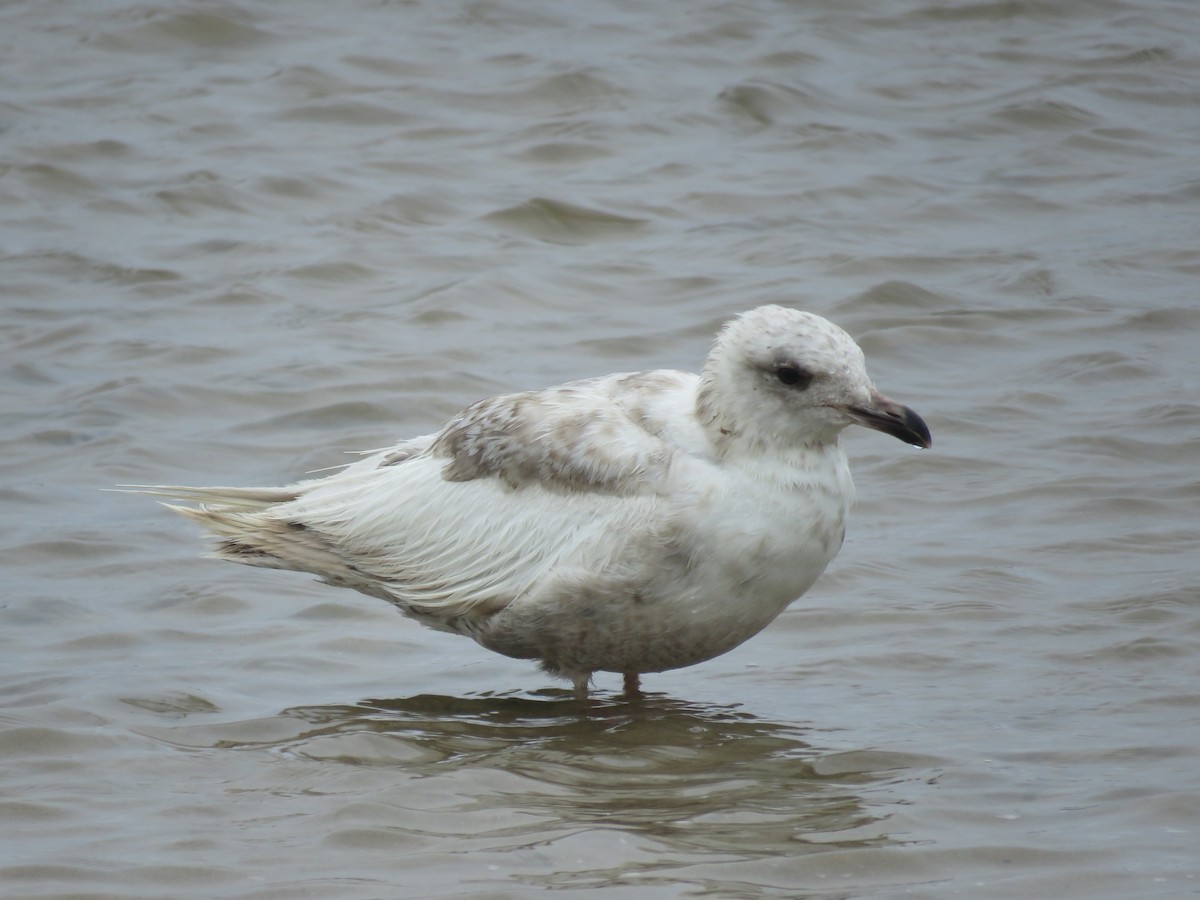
[258, 538]
[251, 528]
[227, 497]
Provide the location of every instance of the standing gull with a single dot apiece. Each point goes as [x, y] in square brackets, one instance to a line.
[629, 523]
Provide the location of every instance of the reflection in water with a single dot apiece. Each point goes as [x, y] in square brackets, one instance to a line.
[699, 782]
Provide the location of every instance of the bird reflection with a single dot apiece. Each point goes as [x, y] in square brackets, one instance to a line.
[696, 777]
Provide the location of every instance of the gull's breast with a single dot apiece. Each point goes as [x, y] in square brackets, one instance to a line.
[725, 562]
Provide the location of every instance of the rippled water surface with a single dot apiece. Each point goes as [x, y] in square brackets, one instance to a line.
[241, 238]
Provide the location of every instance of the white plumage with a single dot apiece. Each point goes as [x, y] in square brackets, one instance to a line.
[629, 523]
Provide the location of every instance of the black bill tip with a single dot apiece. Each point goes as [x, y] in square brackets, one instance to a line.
[893, 418]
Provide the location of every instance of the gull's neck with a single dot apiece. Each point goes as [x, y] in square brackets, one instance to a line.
[733, 432]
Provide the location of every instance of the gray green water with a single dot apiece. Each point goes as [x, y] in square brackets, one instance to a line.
[241, 238]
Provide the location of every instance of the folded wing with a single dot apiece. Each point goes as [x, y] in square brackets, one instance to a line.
[455, 526]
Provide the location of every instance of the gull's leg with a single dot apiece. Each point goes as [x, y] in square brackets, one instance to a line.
[633, 687]
[581, 686]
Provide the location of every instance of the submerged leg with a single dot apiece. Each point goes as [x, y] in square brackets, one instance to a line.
[633, 687]
[581, 686]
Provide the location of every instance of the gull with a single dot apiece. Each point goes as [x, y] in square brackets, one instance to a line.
[630, 523]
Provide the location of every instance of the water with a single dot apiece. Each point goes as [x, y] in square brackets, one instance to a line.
[242, 238]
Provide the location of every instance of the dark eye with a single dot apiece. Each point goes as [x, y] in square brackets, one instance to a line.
[794, 376]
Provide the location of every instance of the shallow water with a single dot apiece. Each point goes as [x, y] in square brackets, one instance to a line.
[240, 239]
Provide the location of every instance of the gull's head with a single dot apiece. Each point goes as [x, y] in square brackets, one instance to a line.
[782, 376]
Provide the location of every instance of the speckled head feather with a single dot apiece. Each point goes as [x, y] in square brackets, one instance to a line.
[779, 375]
